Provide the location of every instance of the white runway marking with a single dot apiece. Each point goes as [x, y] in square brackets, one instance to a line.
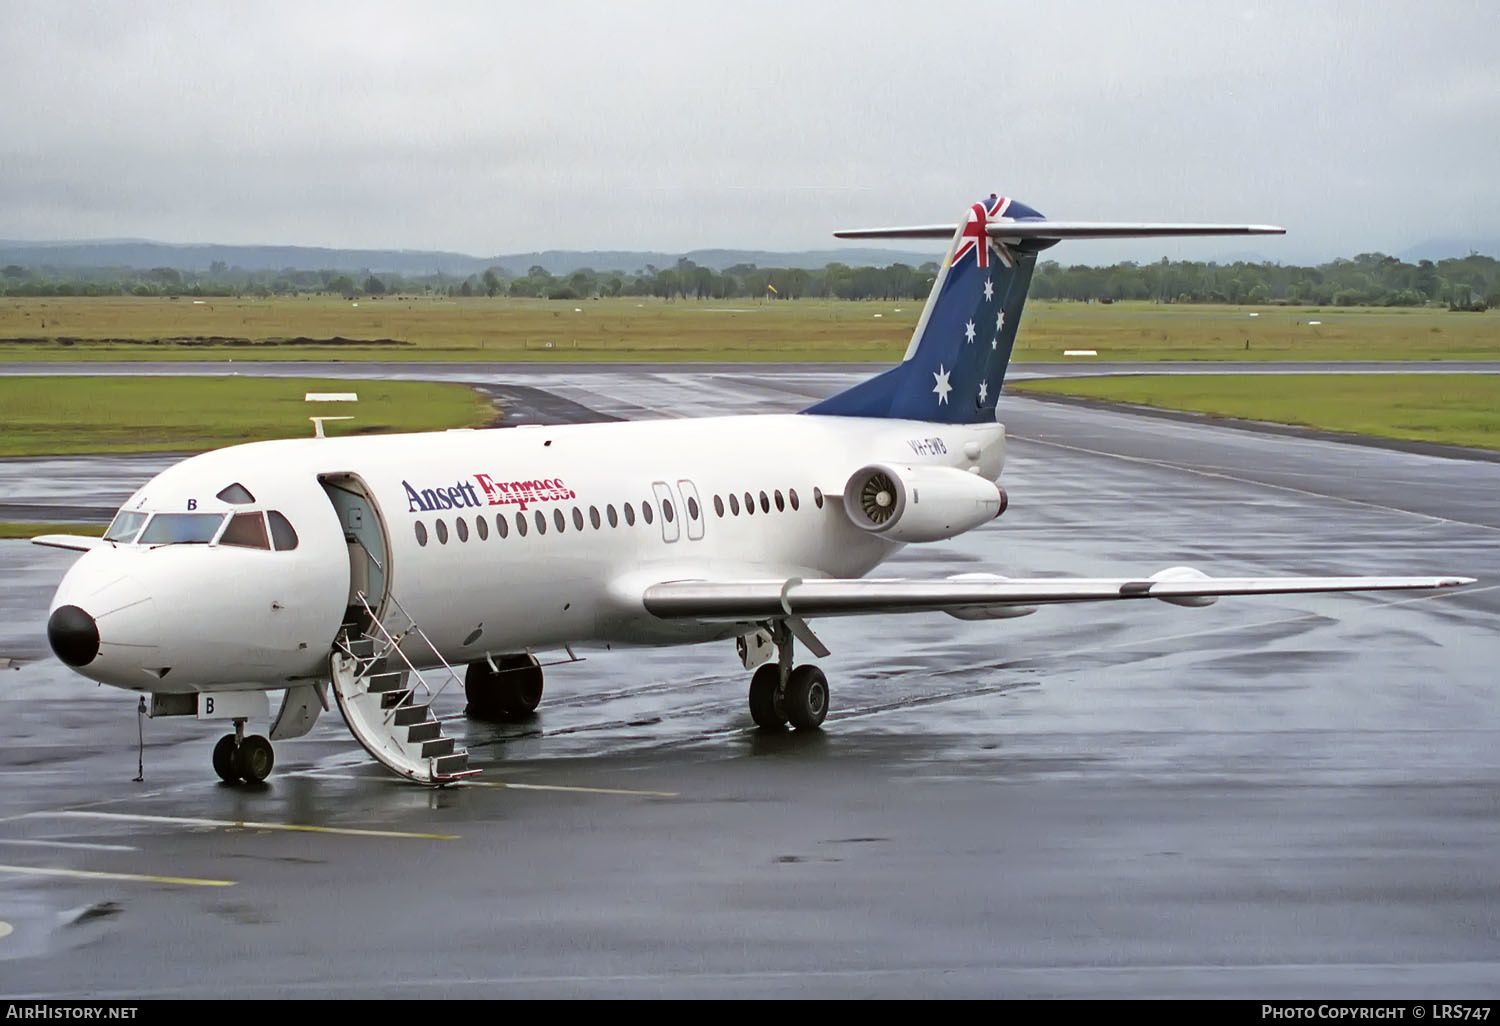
[69, 844]
[127, 817]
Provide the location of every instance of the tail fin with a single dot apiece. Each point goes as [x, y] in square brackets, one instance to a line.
[953, 370]
[955, 365]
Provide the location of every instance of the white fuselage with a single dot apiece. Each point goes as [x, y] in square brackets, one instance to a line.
[185, 617]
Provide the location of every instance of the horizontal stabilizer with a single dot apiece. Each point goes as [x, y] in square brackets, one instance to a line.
[1043, 229]
[756, 600]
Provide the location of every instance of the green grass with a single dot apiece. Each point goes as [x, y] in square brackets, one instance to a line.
[429, 328]
[59, 415]
[1454, 409]
[30, 529]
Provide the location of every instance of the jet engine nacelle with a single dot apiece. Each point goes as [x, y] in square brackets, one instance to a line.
[920, 504]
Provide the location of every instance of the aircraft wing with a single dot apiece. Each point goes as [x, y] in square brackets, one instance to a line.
[972, 594]
[1044, 229]
[77, 542]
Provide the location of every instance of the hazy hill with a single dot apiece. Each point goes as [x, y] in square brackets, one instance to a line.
[143, 255]
[1443, 249]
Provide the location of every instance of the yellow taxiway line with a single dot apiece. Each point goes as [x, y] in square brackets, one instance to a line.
[319, 775]
[84, 874]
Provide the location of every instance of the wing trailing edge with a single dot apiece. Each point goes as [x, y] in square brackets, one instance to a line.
[754, 600]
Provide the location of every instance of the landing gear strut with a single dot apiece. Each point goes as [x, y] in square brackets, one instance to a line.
[506, 689]
[782, 694]
[237, 757]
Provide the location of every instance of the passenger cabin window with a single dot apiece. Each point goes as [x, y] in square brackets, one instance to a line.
[541, 522]
[521, 524]
[181, 529]
[462, 527]
[125, 526]
[791, 496]
[442, 531]
[594, 517]
[666, 510]
[629, 516]
[482, 527]
[609, 513]
[246, 531]
[719, 507]
[560, 520]
[646, 513]
[818, 497]
[502, 526]
[780, 502]
[421, 529]
[734, 504]
[765, 503]
[749, 504]
[236, 494]
[692, 508]
[578, 518]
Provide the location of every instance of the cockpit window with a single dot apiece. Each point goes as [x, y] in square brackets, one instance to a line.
[247, 530]
[181, 529]
[281, 532]
[125, 526]
[237, 494]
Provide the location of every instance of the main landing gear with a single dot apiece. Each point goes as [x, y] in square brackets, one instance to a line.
[504, 689]
[782, 694]
[237, 757]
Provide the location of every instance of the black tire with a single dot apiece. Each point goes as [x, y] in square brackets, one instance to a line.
[806, 697]
[512, 693]
[765, 709]
[254, 758]
[224, 760]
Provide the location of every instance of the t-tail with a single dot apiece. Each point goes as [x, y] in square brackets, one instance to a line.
[955, 365]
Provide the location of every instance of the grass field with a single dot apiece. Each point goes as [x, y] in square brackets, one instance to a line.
[320, 328]
[59, 415]
[1454, 409]
[30, 529]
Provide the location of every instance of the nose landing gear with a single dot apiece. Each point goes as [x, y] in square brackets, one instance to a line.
[237, 757]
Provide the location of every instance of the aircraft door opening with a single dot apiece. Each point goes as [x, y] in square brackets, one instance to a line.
[364, 534]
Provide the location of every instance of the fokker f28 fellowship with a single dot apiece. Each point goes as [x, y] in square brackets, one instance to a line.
[380, 567]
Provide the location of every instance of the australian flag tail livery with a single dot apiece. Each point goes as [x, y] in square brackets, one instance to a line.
[953, 370]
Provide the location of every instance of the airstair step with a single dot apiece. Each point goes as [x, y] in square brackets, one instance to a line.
[428, 731]
[361, 648]
[437, 746]
[406, 715]
[450, 765]
[380, 683]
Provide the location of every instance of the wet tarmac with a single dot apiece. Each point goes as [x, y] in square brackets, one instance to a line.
[1272, 797]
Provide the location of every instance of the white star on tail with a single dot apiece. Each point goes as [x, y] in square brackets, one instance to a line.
[942, 388]
[1000, 321]
[989, 290]
[984, 392]
[969, 332]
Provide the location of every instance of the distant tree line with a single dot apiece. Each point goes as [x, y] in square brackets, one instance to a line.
[1370, 279]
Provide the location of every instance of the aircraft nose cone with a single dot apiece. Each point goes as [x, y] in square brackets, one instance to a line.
[74, 635]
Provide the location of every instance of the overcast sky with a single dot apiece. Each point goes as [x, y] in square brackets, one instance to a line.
[494, 128]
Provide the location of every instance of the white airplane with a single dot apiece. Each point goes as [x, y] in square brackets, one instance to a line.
[364, 564]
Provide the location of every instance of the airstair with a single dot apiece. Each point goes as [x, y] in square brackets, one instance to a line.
[387, 702]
